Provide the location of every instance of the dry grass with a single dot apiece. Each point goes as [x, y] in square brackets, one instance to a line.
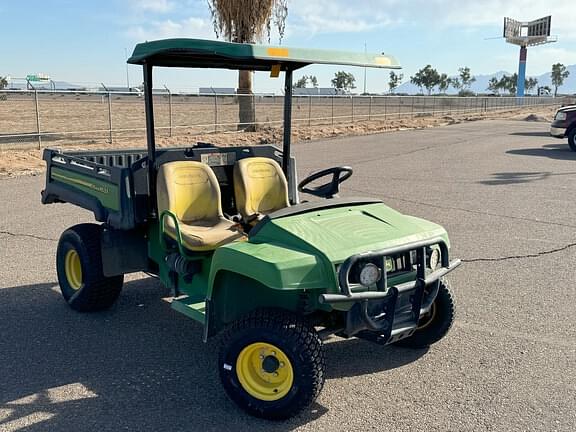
[23, 162]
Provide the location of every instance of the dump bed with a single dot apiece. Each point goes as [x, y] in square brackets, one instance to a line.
[114, 184]
[106, 183]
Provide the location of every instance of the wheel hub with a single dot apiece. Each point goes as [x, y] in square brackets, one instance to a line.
[264, 371]
[73, 269]
[270, 364]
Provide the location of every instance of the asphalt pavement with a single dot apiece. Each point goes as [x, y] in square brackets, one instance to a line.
[504, 190]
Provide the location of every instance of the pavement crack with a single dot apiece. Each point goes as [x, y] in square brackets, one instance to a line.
[515, 257]
[11, 234]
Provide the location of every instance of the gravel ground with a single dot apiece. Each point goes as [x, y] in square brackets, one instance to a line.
[504, 191]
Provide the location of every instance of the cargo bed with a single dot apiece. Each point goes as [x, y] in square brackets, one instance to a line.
[114, 184]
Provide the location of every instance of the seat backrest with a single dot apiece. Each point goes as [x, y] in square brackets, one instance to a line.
[260, 186]
[188, 189]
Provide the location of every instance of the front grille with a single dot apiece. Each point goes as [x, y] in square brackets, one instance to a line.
[395, 265]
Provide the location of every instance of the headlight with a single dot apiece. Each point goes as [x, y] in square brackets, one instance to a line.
[370, 274]
[434, 259]
[560, 116]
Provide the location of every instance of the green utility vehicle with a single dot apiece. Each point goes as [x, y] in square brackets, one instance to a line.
[225, 230]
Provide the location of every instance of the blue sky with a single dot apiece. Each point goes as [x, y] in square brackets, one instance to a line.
[85, 41]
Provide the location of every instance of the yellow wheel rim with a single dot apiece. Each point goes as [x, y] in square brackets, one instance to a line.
[73, 269]
[428, 318]
[264, 371]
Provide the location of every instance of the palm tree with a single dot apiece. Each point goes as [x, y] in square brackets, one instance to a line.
[247, 21]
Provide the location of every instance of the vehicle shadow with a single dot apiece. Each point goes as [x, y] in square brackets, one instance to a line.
[139, 366]
[508, 178]
[532, 134]
[552, 151]
[355, 357]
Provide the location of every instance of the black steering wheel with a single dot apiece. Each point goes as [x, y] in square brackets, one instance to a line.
[326, 190]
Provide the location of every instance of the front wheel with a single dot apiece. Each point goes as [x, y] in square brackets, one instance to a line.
[435, 325]
[572, 139]
[272, 364]
[79, 268]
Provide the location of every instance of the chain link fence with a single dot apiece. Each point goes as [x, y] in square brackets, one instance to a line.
[41, 118]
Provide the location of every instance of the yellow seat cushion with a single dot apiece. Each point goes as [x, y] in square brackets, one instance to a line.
[260, 187]
[204, 235]
[191, 192]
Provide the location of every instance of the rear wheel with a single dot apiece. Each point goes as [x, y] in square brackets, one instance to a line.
[572, 139]
[272, 364]
[435, 325]
[79, 267]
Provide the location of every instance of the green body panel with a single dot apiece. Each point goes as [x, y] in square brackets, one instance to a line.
[338, 233]
[291, 260]
[105, 192]
[277, 266]
[301, 252]
[192, 307]
[234, 295]
[212, 54]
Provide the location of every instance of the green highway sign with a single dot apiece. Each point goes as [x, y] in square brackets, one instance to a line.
[38, 77]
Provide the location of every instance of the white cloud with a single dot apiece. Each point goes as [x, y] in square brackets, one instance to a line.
[188, 28]
[331, 16]
[328, 16]
[492, 12]
[337, 16]
[540, 59]
[155, 6]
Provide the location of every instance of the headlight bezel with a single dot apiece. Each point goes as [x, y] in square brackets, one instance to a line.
[434, 258]
[372, 279]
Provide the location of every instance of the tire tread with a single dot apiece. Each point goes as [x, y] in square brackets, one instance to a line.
[98, 291]
[297, 333]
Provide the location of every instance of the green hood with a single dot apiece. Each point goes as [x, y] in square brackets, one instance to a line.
[344, 231]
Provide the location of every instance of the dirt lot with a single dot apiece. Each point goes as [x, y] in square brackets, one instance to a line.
[19, 162]
[88, 117]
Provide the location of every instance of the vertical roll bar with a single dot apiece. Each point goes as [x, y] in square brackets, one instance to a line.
[287, 122]
[150, 138]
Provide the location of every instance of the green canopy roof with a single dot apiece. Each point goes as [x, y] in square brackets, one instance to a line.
[228, 55]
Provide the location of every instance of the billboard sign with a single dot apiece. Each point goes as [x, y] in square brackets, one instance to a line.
[526, 33]
[540, 27]
[512, 28]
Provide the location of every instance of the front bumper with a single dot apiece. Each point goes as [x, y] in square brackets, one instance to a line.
[392, 312]
[558, 132]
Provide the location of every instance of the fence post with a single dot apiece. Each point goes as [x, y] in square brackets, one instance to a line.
[309, 110]
[110, 117]
[216, 110]
[412, 110]
[37, 118]
[434, 106]
[169, 110]
[352, 100]
[254, 110]
[370, 109]
[385, 107]
[332, 99]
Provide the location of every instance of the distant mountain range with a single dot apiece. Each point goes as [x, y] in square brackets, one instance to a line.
[481, 83]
